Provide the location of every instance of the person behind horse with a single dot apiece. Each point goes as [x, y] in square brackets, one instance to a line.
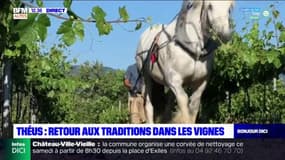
[134, 83]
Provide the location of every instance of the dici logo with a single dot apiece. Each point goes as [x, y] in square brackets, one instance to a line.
[19, 149]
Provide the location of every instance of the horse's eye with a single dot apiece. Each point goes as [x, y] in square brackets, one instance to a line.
[189, 6]
[210, 7]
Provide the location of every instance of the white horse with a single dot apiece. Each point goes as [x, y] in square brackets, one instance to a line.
[180, 53]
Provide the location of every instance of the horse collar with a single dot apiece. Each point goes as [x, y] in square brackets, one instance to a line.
[209, 48]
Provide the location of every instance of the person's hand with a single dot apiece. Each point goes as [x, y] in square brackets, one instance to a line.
[128, 84]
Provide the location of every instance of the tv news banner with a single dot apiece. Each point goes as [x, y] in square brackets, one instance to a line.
[129, 141]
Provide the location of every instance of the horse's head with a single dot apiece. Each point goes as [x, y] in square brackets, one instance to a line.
[217, 15]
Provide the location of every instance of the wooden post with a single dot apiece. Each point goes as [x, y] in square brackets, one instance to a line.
[274, 84]
[120, 105]
[33, 116]
[6, 111]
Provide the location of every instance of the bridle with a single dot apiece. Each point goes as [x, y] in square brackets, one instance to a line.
[204, 18]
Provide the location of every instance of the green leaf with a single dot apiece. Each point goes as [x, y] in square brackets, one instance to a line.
[277, 63]
[149, 20]
[103, 27]
[45, 65]
[271, 56]
[41, 26]
[69, 38]
[42, 31]
[65, 27]
[268, 21]
[279, 26]
[138, 26]
[282, 36]
[40, 3]
[98, 13]
[275, 13]
[51, 94]
[10, 53]
[124, 14]
[79, 29]
[263, 61]
[250, 58]
[74, 60]
[269, 35]
[43, 19]
[67, 3]
[22, 25]
[28, 35]
[107, 28]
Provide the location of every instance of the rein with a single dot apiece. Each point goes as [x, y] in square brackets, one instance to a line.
[152, 48]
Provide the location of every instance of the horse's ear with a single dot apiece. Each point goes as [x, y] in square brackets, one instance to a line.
[233, 4]
[187, 3]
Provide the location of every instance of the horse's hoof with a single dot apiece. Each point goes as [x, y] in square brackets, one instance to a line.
[181, 119]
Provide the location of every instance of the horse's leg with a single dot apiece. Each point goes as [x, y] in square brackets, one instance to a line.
[148, 104]
[169, 107]
[175, 84]
[158, 101]
[195, 99]
[148, 109]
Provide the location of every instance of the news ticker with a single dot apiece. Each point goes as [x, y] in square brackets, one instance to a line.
[136, 149]
[22, 13]
[148, 131]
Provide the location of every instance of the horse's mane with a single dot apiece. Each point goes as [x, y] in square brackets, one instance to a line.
[180, 29]
[198, 2]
